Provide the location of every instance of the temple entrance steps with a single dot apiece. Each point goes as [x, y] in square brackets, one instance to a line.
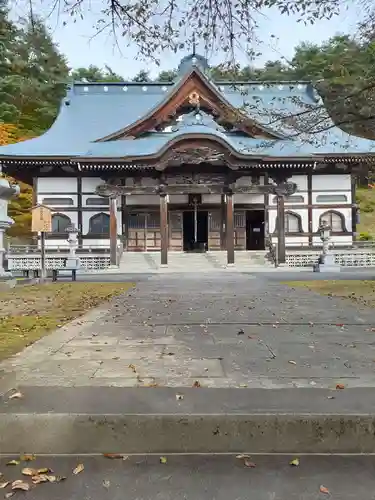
[149, 262]
[243, 260]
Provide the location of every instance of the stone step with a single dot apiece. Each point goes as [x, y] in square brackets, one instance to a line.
[79, 420]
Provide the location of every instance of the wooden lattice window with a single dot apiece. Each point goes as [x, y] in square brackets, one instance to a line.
[60, 223]
[99, 224]
[335, 219]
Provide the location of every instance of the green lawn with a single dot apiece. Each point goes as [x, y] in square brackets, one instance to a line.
[361, 292]
[27, 313]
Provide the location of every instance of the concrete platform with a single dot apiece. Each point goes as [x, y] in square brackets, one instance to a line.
[195, 420]
[203, 478]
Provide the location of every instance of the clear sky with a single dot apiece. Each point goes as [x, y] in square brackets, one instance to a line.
[76, 42]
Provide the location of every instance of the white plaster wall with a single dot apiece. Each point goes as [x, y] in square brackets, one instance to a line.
[300, 180]
[50, 243]
[85, 196]
[56, 185]
[73, 197]
[317, 212]
[293, 241]
[331, 182]
[248, 198]
[143, 199]
[347, 193]
[337, 240]
[89, 184]
[211, 199]
[273, 200]
[178, 198]
[87, 243]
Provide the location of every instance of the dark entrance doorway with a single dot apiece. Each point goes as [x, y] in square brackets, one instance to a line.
[195, 228]
[255, 230]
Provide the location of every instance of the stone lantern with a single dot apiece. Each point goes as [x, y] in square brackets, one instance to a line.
[7, 192]
[72, 261]
[326, 261]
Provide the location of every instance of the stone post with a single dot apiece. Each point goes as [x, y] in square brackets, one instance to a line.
[7, 191]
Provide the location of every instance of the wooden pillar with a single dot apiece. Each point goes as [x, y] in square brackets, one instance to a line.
[281, 228]
[230, 229]
[79, 208]
[354, 207]
[222, 222]
[113, 229]
[164, 228]
[310, 208]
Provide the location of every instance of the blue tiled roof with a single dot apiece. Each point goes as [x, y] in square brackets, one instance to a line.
[94, 110]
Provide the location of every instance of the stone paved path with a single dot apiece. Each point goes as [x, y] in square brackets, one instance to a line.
[226, 330]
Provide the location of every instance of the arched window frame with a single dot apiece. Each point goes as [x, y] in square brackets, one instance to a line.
[93, 219]
[61, 217]
[328, 217]
[299, 222]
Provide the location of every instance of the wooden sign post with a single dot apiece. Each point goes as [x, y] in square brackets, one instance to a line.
[41, 222]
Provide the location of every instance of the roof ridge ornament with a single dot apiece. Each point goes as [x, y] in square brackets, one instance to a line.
[197, 117]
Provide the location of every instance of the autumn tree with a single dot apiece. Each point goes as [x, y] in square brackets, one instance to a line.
[20, 207]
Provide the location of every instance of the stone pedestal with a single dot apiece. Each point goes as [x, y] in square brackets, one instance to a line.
[326, 264]
[72, 262]
[7, 191]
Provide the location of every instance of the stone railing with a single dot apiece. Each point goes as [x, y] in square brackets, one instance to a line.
[33, 262]
[354, 257]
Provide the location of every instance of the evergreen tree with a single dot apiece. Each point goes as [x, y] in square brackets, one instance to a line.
[95, 74]
[9, 112]
[41, 73]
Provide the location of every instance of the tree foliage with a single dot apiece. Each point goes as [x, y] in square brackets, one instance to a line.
[20, 207]
[95, 74]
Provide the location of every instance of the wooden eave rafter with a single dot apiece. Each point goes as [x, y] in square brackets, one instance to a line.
[194, 83]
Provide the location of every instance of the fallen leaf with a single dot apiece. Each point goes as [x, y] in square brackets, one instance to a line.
[27, 458]
[249, 464]
[197, 384]
[340, 386]
[113, 455]
[294, 462]
[242, 457]
[78, 469]
[13, 462]
[60, 478]
[323, 489]
[106, 484]
[10, 494]
[29, 472]
[179, 397]
[292, 362]
[42, 478]
[163, 460]
[20, 485]
[16, 395]
[4, 485]
[133, 368]
[44, 470]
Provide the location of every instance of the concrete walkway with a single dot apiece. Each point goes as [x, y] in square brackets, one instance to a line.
[217, 330]
[203, 478]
